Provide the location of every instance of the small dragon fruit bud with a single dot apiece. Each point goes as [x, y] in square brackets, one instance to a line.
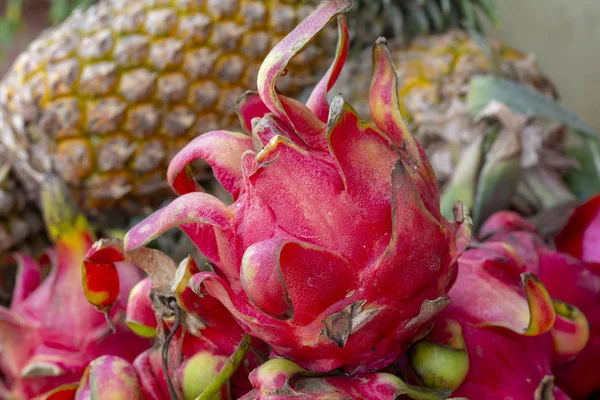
[445, 363]
[493, 323]
[281, 379]
[109, 377]
[140, 315]
[334, 251]
[199, 372]
[50, 333]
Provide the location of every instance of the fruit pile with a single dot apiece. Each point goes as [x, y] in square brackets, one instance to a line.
[333, 273]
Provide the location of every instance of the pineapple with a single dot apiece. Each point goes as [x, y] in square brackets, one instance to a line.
[436, 57]
[109, 96]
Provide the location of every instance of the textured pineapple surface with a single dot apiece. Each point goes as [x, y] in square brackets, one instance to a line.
[434, 75]
[19, 217]
[109, 96]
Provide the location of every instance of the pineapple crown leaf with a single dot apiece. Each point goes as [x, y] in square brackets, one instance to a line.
[409, 18]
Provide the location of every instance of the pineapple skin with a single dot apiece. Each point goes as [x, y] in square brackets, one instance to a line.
[106, 98]
[434, 73]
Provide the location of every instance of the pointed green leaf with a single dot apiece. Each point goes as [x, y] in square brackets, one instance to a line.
[464, 181]
[490, 10]
[470, 16]
[499, 177]
[585, 181]
[435, 15]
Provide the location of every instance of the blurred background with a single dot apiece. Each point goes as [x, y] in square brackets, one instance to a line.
[563, 34]
[565, 37]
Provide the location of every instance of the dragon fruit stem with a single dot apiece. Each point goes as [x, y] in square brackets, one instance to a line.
[165, 349]
[228, 369]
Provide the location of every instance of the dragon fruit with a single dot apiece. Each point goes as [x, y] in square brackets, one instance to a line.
[50, 333]
[281, 379]
[334, 251]
[109, 377]
[568, 279]
[494, 341]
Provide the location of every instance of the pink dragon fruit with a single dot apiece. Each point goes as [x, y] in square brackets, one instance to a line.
[50, 333]
[281, 379]
[494, 341]
[109, 377]
[334, 251]
[566, 278]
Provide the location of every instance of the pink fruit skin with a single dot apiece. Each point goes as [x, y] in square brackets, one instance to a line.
[51, 322]
[507, 339]
[334, 251]
[567, 278]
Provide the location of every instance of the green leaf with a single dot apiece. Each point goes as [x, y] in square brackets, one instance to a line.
[499, 177]
[470, 14]
[585, 182]
[435, 15]
[521, 100]
[464, 181]
[490, 10]
[446, 6]
[59, 10]
[418, 20]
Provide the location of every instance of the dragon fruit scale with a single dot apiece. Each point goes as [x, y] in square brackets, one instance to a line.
[334, 251]
[50, 333]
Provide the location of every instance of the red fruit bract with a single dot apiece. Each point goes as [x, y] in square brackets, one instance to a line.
[50, 333]
[334, 251]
